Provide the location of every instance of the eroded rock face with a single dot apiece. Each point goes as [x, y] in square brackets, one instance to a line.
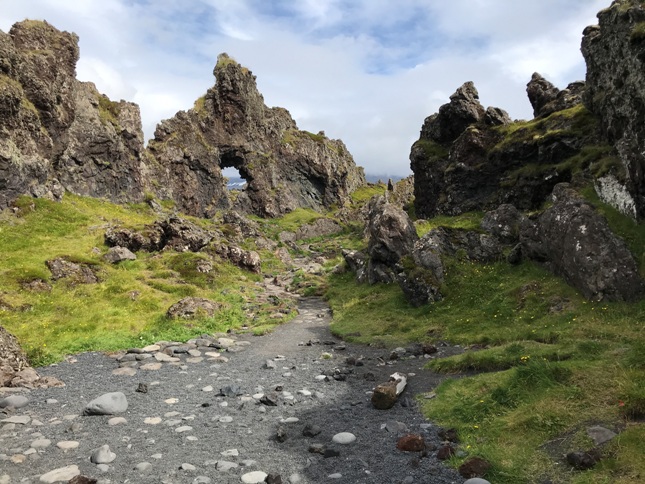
[57, 133]
[285, 168]
[473, 163]
[576, 243]
[614, 52]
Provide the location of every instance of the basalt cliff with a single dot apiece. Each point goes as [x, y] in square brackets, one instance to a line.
[60, 134]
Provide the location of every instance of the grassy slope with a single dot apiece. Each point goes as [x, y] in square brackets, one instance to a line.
[128, 306]
[553, 363]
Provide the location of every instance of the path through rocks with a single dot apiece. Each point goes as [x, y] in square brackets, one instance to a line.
[227, 408]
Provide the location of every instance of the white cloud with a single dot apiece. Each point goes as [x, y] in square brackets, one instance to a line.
[365, 71]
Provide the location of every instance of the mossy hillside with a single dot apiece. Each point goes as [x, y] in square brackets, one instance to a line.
[127, 307]
[550, 363]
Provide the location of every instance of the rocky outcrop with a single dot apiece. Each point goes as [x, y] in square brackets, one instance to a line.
[504, 223]
[391, 235]
[12, 358]
[172, 233]
[546, 99]
[192, 307]
[73, 272]
[468, 158]
[458, 242]
[614, 51]
[230, 126]
[57, 133]
[576, 243]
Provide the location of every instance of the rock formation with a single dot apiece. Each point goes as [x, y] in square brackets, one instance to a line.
[615, 52]
[285, 168]
[467, 158]
[59, 134]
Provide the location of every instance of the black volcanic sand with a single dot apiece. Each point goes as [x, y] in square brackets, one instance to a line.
[344, 406]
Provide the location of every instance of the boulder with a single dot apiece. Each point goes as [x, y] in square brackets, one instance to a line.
[504, 223]
[575, 242]
[118, 254]
[107, 404]
[244, 227]
[74, 272]
[191, 307]
[357, 262]
[246, 259]
[391, 235]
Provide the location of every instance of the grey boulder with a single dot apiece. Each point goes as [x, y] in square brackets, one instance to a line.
[107, 404]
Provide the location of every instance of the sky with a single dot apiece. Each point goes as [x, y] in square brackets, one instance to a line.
[364, 71]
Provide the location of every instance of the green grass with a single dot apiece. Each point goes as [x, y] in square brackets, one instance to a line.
[127, 307]
[548, 363]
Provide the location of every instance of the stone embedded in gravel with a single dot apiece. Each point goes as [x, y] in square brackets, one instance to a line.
[40, 443]
[273, 479]
[62, 474]
[183, 428]
[226, 419]
[151, 366]
[344, 438]
[317, 449]
[15, 401]
[102, 455]
[304, 393]
[336, 475]
[67, 444]
[295, 479]
[17, 419]
[311, 430]
[152, 420]
[231, 391]
[164, 358]
[269, 400]
[327, 453]
[202, 480]
[230, 453]
[477, 480]
[18, 458]
[117, 421]
[187, 467]
[224, 466]
[103, 467]
[290, 420]
[208, 388]
[143, 467]
[255, 477]
[107, 404]
[269, 365]
[394, 426]
[124, 371]
[171, 401]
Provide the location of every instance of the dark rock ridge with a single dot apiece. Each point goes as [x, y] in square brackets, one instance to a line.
[614, 52]
[57, 134]
[468, 158]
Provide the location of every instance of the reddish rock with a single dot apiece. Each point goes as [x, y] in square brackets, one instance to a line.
[411, 443]
[474, 467]
[445, 452]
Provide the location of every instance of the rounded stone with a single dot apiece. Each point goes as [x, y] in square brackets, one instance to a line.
[344, 438]
[62, 474]
[255, 477]
[67, 444]
[107, 404]
[102, 455]
[477, 480]
[15, 401]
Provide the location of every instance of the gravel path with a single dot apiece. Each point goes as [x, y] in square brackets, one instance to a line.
[205, 419]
